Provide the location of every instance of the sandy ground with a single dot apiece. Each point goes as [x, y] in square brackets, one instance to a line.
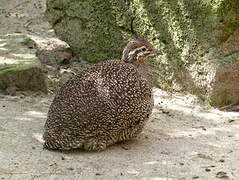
[183, 140]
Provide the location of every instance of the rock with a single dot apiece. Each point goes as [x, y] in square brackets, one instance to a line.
[225, 87]
[204, 156]
[56, 57]
[222, 175]
[20, 69]
[199, 39]
[11, 90]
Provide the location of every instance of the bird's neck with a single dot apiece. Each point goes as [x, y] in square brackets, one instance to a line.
[144, 71]
[141, 67]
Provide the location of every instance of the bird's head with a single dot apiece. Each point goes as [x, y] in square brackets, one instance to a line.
[137, 50]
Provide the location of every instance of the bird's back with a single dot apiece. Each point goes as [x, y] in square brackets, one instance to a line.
[106, 97]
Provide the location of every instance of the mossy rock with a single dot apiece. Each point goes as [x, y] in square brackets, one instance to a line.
[225, 87]
[19, 65]
[189, 33]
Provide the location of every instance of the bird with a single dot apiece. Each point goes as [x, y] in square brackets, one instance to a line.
[106, 103]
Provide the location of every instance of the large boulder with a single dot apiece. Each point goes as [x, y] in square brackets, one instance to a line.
[19, 66]
[199, 39]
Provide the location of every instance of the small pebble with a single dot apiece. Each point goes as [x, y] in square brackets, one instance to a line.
[207, 169]
[53, 164]
[195, 177]
[221, 160]
[125, 148]
[70, 168]
[164, 152]
[97, 174]
[231, 120]
[222, 175]
[165, 111]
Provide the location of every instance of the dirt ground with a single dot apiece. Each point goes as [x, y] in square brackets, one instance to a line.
[183, 140]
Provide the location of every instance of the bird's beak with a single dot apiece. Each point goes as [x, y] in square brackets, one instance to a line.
[155, 52]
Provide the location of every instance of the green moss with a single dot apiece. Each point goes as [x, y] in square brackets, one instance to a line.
[24, 76]
[28, 79]
[89, 39]
[95, 28]
[29, 43]
[59, 4]
[228, 15]
[220, 99]
[16, 68]
[227, 29]
[99, 33]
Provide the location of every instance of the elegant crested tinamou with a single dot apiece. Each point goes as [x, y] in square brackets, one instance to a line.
[106, 103]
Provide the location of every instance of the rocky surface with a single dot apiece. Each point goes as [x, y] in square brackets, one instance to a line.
[27, 38]
[20, 69]
[225, 86]
[191, 35]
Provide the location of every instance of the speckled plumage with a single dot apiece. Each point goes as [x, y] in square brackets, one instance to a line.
[104, 104]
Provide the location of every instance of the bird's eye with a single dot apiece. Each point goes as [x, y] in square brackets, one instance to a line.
[143, 49]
